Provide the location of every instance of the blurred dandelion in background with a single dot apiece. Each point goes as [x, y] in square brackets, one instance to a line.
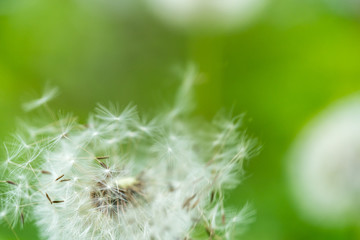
[325, 166]
[206, 15]
[119, 176]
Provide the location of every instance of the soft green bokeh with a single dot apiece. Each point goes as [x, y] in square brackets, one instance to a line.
[281, 71]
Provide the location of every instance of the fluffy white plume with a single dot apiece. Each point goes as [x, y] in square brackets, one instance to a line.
[48, 94]
[121, 177]
[325, 165]
[209, 15]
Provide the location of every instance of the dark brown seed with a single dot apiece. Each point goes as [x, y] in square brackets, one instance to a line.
[187, 201]
[45, 172]
[102, 157]
[212, 196]
[103, 165]
[11, 182]
[49, 198]
[59, 177]
[195, 204]
[65, 180]
[22, 218]
[58, 201]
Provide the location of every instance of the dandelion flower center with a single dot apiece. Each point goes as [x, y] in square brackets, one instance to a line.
[114, 196]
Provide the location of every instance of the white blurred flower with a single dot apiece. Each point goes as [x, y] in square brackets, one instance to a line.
[325, 165]
[206, 14]
[120, 177]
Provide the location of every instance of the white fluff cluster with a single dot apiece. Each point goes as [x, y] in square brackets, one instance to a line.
[121, 177]
[210, 15]
[325, 165]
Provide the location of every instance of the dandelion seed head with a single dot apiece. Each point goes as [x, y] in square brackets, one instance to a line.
[119, 176]
[324, 165]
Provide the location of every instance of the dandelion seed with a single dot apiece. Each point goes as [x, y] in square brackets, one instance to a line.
[48, 94]
[45, 172]
[47, 196]
[65, 180]
[11, 182]
[59, 177]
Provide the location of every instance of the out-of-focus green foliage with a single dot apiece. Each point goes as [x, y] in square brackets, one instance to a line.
[297, 58]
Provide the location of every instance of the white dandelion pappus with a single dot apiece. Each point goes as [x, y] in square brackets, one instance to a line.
[208, 15]
[120, 177]
[325, 164]
[48, 94]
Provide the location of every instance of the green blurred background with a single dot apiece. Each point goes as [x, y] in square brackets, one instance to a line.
[295, 59]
